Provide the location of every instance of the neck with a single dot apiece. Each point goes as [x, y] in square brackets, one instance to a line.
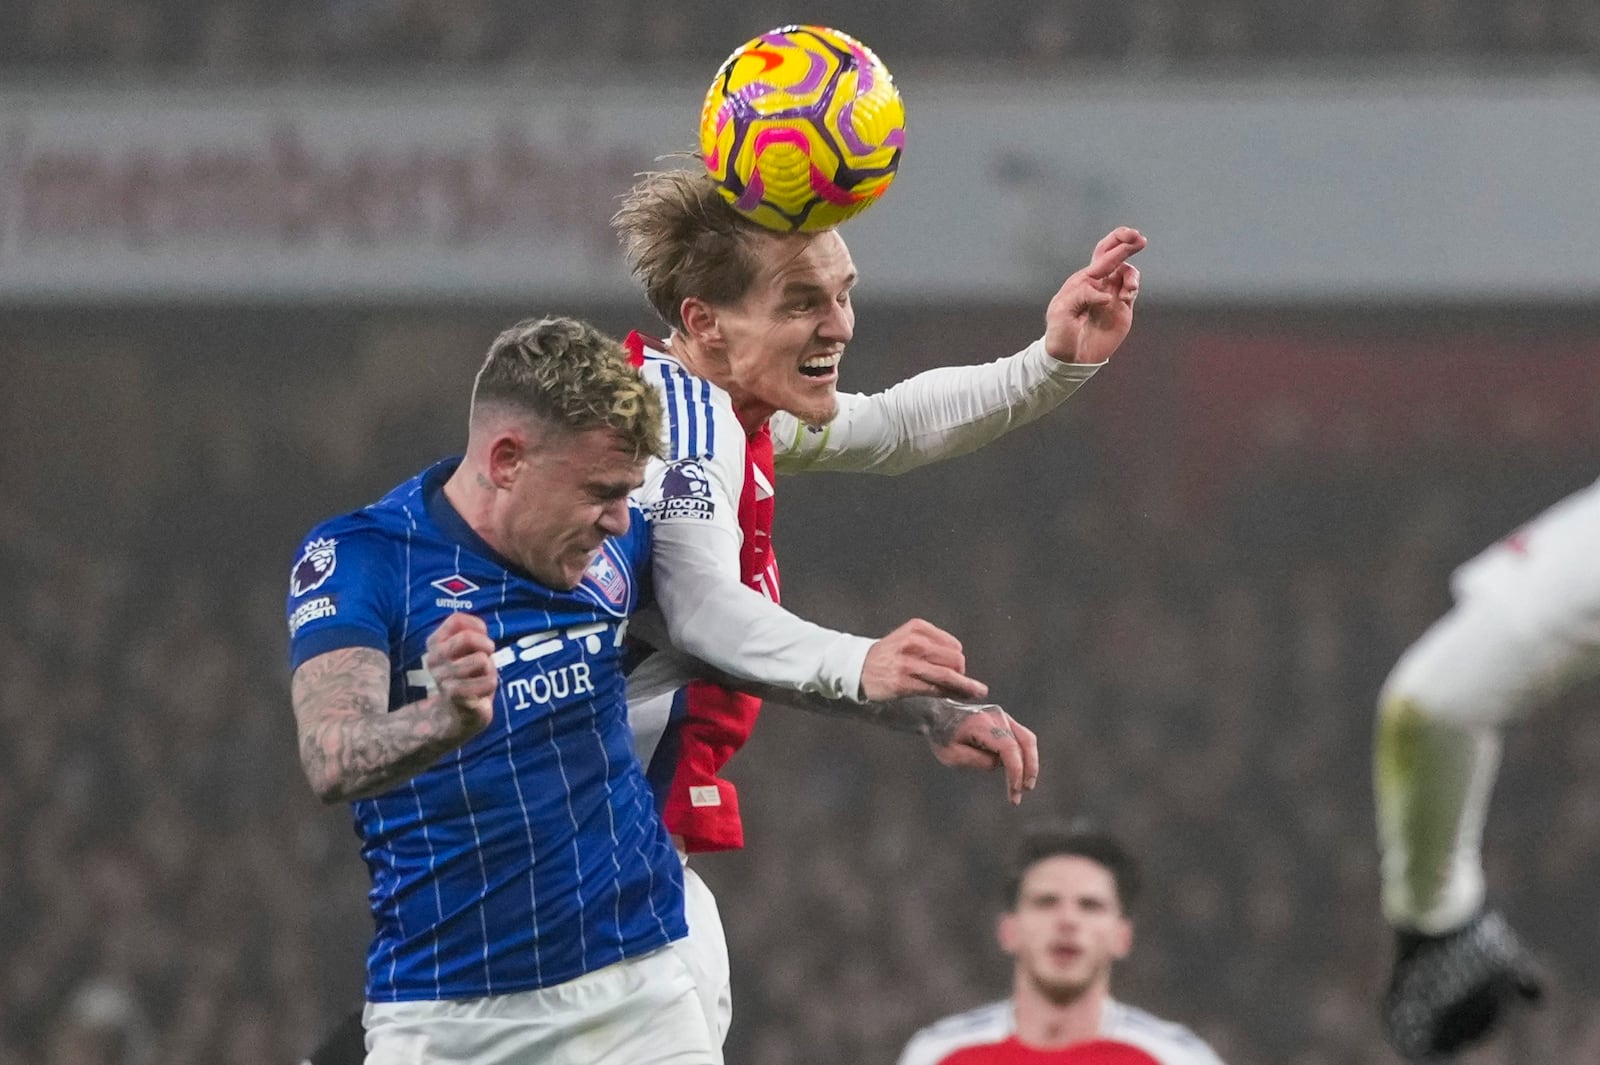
[1047, 1024]
[751, 412]
[473, 497]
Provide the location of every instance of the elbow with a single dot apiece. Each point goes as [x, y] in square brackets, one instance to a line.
[684, 635]
[326, 784]
[332, 795]
[691, 641]
[328, 791]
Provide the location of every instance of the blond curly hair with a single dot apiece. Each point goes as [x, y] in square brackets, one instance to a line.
[569, 374]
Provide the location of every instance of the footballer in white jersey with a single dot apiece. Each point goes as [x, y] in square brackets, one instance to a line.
[759, 322]
[1525, 626]
[711, 504]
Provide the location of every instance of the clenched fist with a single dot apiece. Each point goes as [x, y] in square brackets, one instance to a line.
[460, 658]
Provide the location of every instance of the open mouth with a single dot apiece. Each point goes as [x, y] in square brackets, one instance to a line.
[820, 367]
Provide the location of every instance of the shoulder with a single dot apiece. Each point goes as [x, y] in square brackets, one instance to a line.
[698, 417]
[361, 534]
[1171, 1043]
[376, 536]
[986, 1024]
[376, 522]
[387, 519]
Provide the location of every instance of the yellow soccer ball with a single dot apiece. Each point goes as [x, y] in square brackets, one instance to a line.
[802, 128]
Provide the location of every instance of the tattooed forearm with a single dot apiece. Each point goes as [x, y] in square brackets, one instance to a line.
[927, 715]
[351, 747]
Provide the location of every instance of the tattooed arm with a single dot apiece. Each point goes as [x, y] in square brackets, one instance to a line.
[926, 715]
[964, 735]
[353, 747]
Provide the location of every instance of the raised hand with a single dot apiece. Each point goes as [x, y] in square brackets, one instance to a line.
[1089, 317]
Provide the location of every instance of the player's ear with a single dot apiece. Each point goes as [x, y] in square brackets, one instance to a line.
[1124, 939]
[507, 452]
[1006, 932]
[700, 322]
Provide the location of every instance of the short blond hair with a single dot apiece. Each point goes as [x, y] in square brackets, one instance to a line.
[570, 375]
[682, 239]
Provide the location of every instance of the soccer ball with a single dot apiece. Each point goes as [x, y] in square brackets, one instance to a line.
[802, 128]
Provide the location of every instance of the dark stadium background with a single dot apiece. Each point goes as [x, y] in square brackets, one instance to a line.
[1190, 582]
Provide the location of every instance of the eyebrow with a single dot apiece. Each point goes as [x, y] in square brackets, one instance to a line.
[807, 288]
[792, 289]
[618, 487]
[1080, 897]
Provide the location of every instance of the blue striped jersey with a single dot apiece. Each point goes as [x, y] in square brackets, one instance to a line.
[533, 853]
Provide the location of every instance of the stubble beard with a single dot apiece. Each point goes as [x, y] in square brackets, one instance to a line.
[1061, 991]
[818, 415]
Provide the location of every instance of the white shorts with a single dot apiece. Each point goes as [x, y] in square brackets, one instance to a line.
[643, 1011]
[705, 950]
[1525, 626]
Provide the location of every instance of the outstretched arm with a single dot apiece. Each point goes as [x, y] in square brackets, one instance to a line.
[962, 735]
[353, 747]
[950, 411]
[710, 614]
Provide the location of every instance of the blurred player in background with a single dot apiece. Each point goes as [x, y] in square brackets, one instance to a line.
[749, 371]
[1525, 626]
[457, 654]
[1068, 921]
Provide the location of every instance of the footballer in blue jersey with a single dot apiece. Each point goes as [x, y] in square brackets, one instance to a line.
[457, 655]
[500, 866]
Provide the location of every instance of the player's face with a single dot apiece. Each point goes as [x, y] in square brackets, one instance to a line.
[570, 493]
[1067, 928]
[783, 341]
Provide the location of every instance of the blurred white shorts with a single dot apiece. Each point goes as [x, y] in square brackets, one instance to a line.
[643, 1011]
[706, 952]
[1526, 623]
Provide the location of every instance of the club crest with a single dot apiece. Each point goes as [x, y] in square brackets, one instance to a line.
[608, 579]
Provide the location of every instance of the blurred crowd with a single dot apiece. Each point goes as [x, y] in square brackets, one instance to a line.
[1200, 669]
[243, 38]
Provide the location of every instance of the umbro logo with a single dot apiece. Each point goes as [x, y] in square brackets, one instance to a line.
[455, 584]
[454, 587]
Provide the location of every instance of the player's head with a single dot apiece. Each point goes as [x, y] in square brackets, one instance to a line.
[560, 431]
[1069, 899]
[767, 314]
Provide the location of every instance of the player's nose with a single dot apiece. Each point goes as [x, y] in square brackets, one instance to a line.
[614, 518]
[839, 325]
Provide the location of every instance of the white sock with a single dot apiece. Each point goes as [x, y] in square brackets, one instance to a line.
[1432, 781]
